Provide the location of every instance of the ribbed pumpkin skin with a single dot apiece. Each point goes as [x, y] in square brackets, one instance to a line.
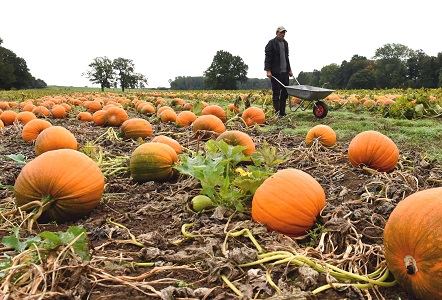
[325, 135]
[115, 116]
[209, 123]
[413, 229]
[288, 202]
[153, 162]
[53, 138]
[33, 128]
[185, 118]
[253, 115]
[24, 117]
[136, 128]
[374, 150]
[238, 138]
[70, 177]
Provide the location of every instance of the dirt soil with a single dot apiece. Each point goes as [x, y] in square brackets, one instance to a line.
[153, 214]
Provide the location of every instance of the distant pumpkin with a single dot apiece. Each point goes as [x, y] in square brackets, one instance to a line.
[253, 115]
[238, 138]
[323, 133]
[53, 138]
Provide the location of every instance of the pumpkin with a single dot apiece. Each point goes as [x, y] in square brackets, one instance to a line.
[8, 117]
[85, 116]
[232, 108]
[41, 111]
[58, 111]
[92, 106]
[115, 116]
[24, 117]
[238, 138]
[98, 117]
[153, 162]
[185, 118]
[136, 128]
[147, 109]
[210, 124]
[373, 149]
[413, 243]
[68, 182]
[163, 108]
[168, 141]
[168, 115]
[53, 138]
[288, 202]
[253, 115]
[215, 110]
[33, 128]
[323, 133]
[1, 124]
[29, 107]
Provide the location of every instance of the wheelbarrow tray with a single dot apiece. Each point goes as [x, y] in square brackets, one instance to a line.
[308, 92]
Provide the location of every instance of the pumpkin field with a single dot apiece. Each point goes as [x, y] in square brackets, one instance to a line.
[208, 195]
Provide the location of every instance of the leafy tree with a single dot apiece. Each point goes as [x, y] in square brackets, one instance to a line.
[309, 78]
[329, 75]
[187, 83]
[101, 72]
[362, 79]
[125, 74]
[14, 72]
[391, 69]
[225, 72]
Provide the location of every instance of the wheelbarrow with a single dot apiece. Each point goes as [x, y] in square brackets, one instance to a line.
[308, 93]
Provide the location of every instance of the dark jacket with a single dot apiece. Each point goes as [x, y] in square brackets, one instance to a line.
[271, 61]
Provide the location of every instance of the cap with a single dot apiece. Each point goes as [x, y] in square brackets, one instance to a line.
[280, 28]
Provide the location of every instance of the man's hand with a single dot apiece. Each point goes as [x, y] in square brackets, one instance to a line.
[269, 73]
[290, 73]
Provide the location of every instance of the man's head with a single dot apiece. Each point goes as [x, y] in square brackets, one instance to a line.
[280, 32]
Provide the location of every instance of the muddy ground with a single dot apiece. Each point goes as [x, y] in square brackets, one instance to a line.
[153, 214]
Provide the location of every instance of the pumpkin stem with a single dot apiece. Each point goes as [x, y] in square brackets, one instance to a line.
[410, 264]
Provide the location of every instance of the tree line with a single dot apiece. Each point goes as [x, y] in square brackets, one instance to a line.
[393, 66]
[14, 73]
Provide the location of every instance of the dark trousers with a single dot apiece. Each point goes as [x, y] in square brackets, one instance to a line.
[280, 95]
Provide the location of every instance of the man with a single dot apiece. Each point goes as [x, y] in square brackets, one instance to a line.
[277, 64]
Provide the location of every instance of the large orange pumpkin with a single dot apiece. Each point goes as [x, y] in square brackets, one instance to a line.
[168, 115]
[136, 128]
[41, 111]
[185, 118]
[373, 149]
[323, 133]
[288, 202]
[53, 138]
[8, 117]
[238, 138]
[413, 243]
[24, 117]
[153, 162]
[98, 117]
[68, 182]
[115, 116]
[33, 128]
[85, 116]
[58, 111]
[209, 123]
[253, 115]
[215, 110]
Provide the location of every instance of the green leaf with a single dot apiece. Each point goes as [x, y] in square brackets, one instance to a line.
[53, 240]
[14, 242]
[18, 158]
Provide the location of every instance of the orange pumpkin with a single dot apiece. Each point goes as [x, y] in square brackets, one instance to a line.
[29, 107]
[168, 115]
[232, 108]
[24, 117]
[288, 202]
[41, 111]
[33, 128]
[323, 133]
[1, 124]
[58, 111]
[253, 115]
[215, 110]
[8, 117]
[153, 162]
[210, 124]
[136, 128]
[163, 108]
[85, 116]
[185, 118]
[413, 243]
[168, 141]
[115, 116]
[93, 106]
[98, 117]
[238, 138]
[147, 109]
[373, 149]
[69, 183]
[53, 138]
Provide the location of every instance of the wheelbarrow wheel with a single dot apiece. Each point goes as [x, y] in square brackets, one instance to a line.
[320, 110]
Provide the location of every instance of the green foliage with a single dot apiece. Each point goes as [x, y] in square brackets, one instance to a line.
[18, 158]
[225, 72]
[220, 177]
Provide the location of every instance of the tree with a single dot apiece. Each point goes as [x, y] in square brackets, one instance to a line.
[14, 72]
[225, 72]
[125, 74]
[101, 72]
[329, 76]
[362, 79]
[391, 69]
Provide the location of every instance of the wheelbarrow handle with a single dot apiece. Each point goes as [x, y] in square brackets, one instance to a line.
[282, 83]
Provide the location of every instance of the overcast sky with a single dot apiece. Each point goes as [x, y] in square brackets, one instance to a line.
[59, 38]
